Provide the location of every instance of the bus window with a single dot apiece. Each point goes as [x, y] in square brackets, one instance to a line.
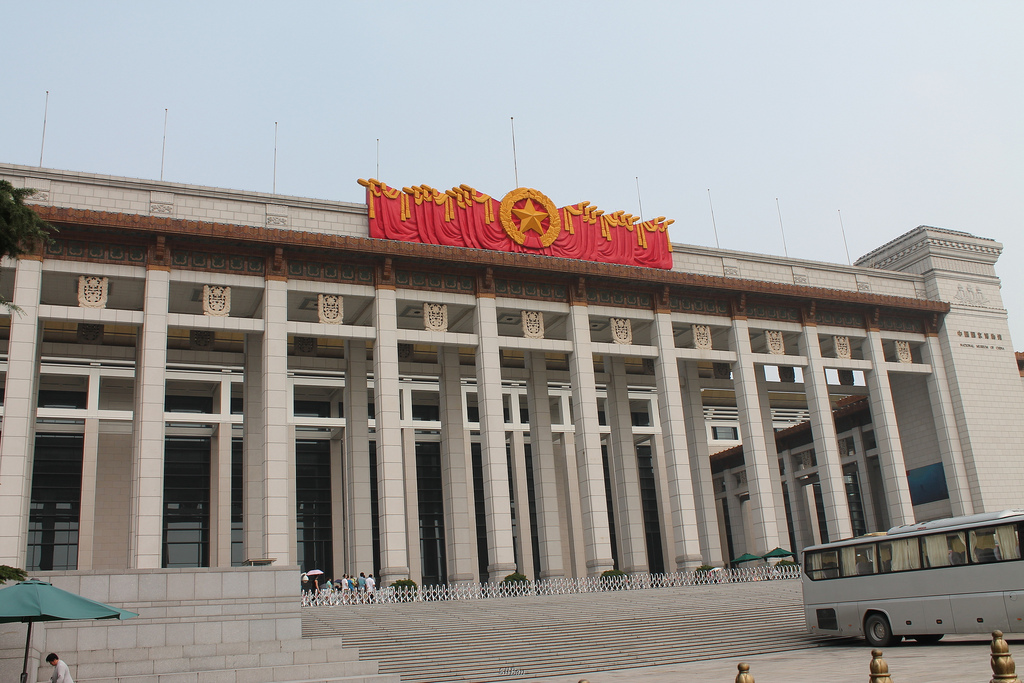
[823, 565]
[944, 550]
[858, 560]
[898, 555]
[995, 544]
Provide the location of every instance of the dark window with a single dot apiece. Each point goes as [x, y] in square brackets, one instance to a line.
[55, 504]
[725, 433]
[74, 400]
[312, 409]
[856, 503]
[238, 557]
[313, 505]
[431, 511]
[425, 412]
[186, 502]
[374, 508]
[237, 405]
[640, 419]
[608, 502]
[649, 502]
[531, 490]
[819, 504]
[188, 404]
[481, 512]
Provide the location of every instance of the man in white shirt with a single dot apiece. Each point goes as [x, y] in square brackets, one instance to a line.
[60, 669]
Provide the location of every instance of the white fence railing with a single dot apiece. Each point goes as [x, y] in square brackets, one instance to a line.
[477, 591]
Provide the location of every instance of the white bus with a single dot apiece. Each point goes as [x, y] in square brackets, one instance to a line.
[920, 581]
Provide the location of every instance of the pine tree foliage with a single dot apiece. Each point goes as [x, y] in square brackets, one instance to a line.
[20, 227]
[11, 574]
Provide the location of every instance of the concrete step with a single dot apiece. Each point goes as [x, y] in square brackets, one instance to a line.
[484, 640]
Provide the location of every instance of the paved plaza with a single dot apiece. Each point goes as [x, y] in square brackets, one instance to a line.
[957, 659]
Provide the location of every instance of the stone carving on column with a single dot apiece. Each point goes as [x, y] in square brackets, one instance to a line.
[775, 343]
[842, 345]
[846, 378]
[722, 370]
[92, 291]
[622, 330]
[405, 352]
[435, 317]
[216, 300]
[305, 346]
[702, 337]
[330, 309]
[533, 324]
[903, 354]
[89, 334]
[200, 340]
[787, 374]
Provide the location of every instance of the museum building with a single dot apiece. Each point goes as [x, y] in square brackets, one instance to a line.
[447, 386]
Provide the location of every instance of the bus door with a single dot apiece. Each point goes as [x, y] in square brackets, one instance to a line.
[1014, 603]
[979, 612]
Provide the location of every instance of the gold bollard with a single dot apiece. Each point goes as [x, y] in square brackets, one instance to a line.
[879, 669]
[744, 675]
[1003, 668]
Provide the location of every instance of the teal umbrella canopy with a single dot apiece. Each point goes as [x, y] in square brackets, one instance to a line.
[779, 552]
[746, 557]
[36, 600]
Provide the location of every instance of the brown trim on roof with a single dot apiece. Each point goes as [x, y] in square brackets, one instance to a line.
[654, 278]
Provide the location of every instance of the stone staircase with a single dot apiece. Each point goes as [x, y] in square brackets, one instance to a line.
[475, 641]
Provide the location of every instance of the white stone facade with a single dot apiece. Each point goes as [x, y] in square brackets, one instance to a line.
[387, 444]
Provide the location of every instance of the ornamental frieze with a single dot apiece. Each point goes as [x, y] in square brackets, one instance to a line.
[524, 221]
[542, 291]
[435, 282]
[228, 263]
[330, 272]
[74, 250]
[618, 297]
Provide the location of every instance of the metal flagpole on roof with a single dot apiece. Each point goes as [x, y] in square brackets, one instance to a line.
[713, 225]
[848, 260]
[639, 200]
[163, 151]
[275, 158]
[515, 163]
[46, 109]
[784, 249]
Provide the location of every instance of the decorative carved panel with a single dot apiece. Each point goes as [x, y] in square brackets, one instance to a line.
[330, 308]
[842, 345]
[775, 343]
[846, 378]
[533, 324]
[435, 317]
[199, 340]
[92, 291]
[787, 374]
[702, 337]
[305, 346]
[216, 300]
[89, 334]
[903, 354]
[722, 370]
[405, 352]
[622, 330]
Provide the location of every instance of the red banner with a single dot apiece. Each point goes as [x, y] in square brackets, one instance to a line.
[524, 221]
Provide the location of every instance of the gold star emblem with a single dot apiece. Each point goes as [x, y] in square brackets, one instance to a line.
[525, 210]
[530, 219]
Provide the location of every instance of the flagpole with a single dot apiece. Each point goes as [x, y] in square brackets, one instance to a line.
[638, 199]
[848, 260]
[713, 224]
[275, 158]
[783, 229]
[46, 109]
[515, 162]
[163, 152]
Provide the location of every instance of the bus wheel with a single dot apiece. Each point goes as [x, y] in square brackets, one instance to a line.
[878, 632]
[929, 639]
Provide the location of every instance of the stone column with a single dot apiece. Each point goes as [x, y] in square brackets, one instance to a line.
[946, 430]
[394, 556]
[674, 452]
[629, 514]
[90, 456]
[356, 455]
[145, 541]
[497, 505]
[220, 491]
[279, 527]
[887, 434]
[572, 521]
[593, 504]
[339, 530]
[708, 532]
[457, 473]
[254, 455]
[544, 478]
[760, 472]
[413, 532]
[826, 445]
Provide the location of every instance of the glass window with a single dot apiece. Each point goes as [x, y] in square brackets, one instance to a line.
[858, 560]
[995, 544]
[944, 550]
[898, 555]
[823, 564]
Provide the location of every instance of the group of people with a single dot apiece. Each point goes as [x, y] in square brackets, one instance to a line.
[352, 589]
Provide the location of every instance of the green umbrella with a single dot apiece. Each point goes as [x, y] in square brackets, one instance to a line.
[779, 552]
[34, 600]
[746, 557]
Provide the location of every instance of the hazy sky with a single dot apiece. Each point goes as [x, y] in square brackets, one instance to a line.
[896, 113]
